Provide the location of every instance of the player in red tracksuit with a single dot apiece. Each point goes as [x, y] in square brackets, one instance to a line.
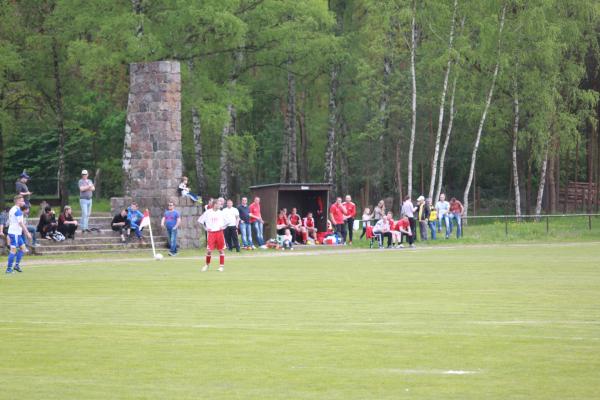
[214, 223]
[349, 215]
[310, 229]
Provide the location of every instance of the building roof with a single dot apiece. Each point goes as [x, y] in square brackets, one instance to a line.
[298, 186]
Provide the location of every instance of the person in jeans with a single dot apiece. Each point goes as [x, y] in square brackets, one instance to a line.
[86, 190]
[232, 219]
[432, 219]
[423, 212]
[30, 228]
[135, 217]
[455, 216]
[350, 214]
[257, 222]
[245, 226]
[21, 187]
[337, 213]
[409, 209]
[443, 208]
[171, 220]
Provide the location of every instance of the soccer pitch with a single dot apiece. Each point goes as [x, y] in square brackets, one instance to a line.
[488, 322]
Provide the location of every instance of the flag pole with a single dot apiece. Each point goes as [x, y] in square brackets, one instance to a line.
[151, 237]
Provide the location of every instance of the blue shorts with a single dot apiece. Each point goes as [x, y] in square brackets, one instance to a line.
[16, 240]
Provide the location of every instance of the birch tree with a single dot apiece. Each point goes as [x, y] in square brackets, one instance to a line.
[452, 114]
[438, 136]
[515, 138]
[484, 115]
[413, 74]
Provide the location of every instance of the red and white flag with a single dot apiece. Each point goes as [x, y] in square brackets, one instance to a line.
[146, 220]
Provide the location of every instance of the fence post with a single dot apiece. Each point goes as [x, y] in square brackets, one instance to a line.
[547, 224]
[590, 222]
[506, 226]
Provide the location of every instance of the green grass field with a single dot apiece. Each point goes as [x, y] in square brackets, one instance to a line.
[472, 322]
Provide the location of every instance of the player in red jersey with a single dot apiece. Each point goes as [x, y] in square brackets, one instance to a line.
[349, 217]
[214, 223]
[310, 229]
[403, 226]
[336, 213]
[296, 224]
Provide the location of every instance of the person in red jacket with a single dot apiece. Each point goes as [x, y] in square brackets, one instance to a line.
[403, 226]
[337, 212]
[350, 214]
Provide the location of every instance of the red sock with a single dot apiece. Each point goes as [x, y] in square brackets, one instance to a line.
[222, 259]
[207, 260]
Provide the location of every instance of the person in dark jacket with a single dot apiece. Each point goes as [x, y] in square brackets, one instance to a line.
[67, 225]
[423, 211]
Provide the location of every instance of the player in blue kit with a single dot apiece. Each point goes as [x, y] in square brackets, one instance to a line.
[16, 229]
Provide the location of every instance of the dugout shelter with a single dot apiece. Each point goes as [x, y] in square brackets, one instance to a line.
[313, 197]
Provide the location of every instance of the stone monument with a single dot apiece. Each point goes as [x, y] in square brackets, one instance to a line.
[152, 157]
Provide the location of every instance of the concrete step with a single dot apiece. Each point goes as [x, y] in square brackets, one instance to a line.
[92, 239]
[74, 247]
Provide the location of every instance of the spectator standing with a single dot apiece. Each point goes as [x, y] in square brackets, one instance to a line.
[232, 220]
[4, 228]
[443, 208]
[67, 224]
[171, 220]
[135, 217]
[336, 214]
[22, 189]
[432, 219]
[379, 211]
[86, 191]
[409, 209]
[366, 221]
[257, 222]
[47, 224]
[30, 228]
[120, 224]
[350, 214]
[245, 226]
[455, 216]
[423, 217]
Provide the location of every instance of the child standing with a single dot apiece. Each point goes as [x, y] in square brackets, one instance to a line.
[367, 217]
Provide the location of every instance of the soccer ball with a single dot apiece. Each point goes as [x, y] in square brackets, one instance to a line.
[158, 256]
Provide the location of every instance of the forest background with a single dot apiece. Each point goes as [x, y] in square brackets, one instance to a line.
[490, 100]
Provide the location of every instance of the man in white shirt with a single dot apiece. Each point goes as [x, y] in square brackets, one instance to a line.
[16, 229]
[381, 230]
[443, 208]
[214, 223]
[232, 219]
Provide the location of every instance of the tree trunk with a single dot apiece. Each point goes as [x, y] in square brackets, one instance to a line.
[197, 130]
[551, 206]
[343, 157]
[291, 126]
[399, 170]
[438, 189]
[60, 122]
[540, 195]
[529, 186]
[330, 150]
[483, 117]
[137, 10]
[224, 168]
[590, 168]
[303, 139]
[413, 130]
[515, 170]
[285, 148]
[438, 136]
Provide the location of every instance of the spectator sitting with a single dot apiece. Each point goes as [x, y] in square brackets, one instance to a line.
[4, 227]
[396, 236]
[135, 217]
[310, 228]
[287, 242]
[296, 225]
[47, 224]
[367, 217]
[283, 224]
[120, 224]
[21, 187]
[67, 224]
[184, 191]
[403, 226]
[381, 230]
[32, 229]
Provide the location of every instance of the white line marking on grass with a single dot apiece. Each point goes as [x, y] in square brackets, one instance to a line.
[536, 322]
[432, 372]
